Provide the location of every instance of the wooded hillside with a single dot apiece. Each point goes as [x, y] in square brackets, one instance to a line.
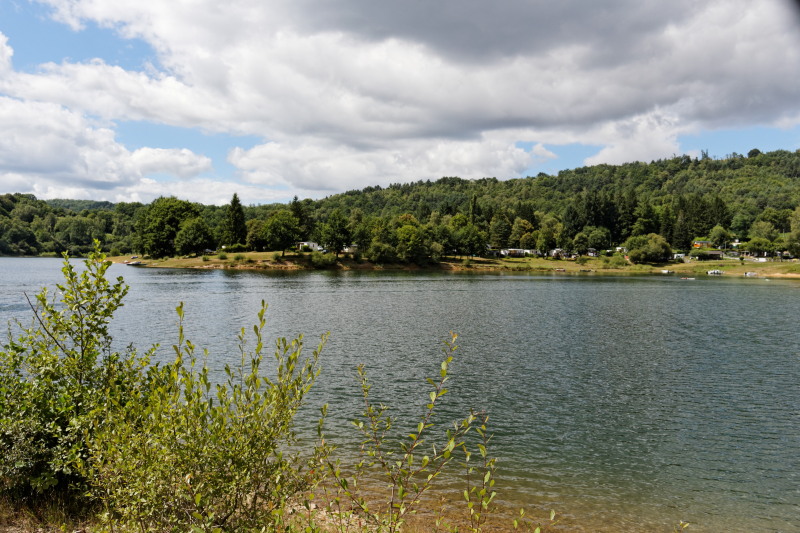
[753, 198]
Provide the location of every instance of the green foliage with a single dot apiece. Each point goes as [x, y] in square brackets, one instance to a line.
[160, 222]
[190, 455]
[58, 380]
[719, 236]
[256, 238]
[763, 229]
[233, 228]
[239, 257]
[678, 198]
[335, 233]
[157, 447]
[412, 245]
[222, 256]
[759, 246]
[194, 237]
[238, 247]
[652, 248]
[281, 230]
[409, 465]
[614, 261]
[320, 260]
[381, 252]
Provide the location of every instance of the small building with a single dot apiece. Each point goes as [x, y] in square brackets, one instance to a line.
[512, 252]
[314, 247]
[701, 244]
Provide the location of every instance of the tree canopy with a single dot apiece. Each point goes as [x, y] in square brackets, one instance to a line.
[681, 198]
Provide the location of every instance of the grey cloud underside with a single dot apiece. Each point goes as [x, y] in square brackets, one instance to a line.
[476, 30]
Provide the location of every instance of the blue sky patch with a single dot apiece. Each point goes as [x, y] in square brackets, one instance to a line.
[37, 39]
[139, 134]
[720, 143]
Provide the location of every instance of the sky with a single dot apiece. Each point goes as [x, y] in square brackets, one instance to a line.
[129, 100]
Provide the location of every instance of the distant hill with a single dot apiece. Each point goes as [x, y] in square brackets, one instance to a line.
[682, 198]
[80, 205]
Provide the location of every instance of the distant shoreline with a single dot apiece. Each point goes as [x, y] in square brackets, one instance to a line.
[297, 261]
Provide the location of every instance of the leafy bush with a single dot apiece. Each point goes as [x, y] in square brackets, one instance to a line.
[222, 256]
[238, 247]
[320, 260]
[381, 253]
[651, 248]
[614, 261]
[162, 448]
[409, 471]
[239, 257]
[191, 456]
[205, 258]
[158, 447]
[58, 380]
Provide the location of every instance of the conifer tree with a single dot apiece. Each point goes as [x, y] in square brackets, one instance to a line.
[234, 228]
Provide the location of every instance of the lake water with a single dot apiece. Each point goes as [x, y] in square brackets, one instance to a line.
[625, 403]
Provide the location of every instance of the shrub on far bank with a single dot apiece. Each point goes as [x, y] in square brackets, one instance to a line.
[614, 261]
[320, 260]
[238, 247]
[651, 248]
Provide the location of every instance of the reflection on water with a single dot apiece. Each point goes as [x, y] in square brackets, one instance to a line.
[625, 403]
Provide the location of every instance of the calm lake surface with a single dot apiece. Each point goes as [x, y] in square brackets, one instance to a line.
[625, 403]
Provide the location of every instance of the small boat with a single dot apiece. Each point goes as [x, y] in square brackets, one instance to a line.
[750, 274]
[665, 271]
[714, 272]
[561, 270]
[135, 263]
[689, 279]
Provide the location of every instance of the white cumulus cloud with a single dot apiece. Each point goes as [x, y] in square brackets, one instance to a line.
[353, 93]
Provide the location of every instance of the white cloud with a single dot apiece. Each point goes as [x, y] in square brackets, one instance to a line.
[357, 93]
[637, 139]
[182, 162]
[52, 147]
[5, 55]
[322, 168]
[203, 190]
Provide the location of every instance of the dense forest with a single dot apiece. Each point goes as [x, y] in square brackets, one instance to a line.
[663, 206]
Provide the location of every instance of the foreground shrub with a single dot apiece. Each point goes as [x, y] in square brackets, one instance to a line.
[188, 455]
[57, 380]
[410, 467]
[158, 447]
[162, 448]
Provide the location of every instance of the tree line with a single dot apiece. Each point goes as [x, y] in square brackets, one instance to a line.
[665, 204]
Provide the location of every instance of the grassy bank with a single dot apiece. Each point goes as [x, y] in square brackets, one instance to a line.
[299, 261]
